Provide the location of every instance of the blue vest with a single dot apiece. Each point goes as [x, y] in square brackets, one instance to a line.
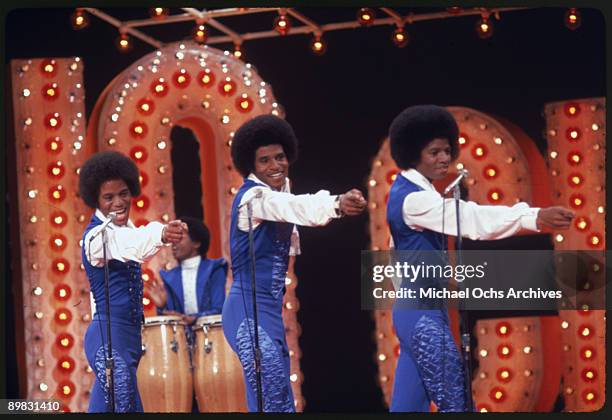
[271, 242]
[426, 247]
[210, 287]
[125, 286]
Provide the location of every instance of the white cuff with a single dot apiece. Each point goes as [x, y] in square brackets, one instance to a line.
[528, 221]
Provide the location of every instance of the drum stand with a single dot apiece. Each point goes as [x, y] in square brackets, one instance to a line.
[257, 352]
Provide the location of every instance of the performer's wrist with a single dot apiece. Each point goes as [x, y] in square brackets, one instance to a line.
[337, 208]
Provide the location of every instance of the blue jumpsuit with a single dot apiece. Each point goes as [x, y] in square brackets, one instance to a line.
[271, 243]
[429, 366]
[126, 310]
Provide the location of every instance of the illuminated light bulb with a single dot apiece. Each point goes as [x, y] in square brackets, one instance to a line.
[384, 378]
[161, 169]
[318, 45]
[382, 357]
[56, 170]
[571, 109]
[53, 121]
[66, 388]
[554, 154]
[57, 193]
[582, 223]
[58, 242]
[227, 87]
[60, 266]
[594, 240]
[141, 203]
[504, 351]
[139, 154]
[510, 159]
[372, 182]
[484, 28]
[587, 353]
[293, 377]
[138, 129]
[206, 78]
[483, 331]
[225, 119]
[181, 78]
[50, 91]
[585, 331]
[63, 316]
[575, 179]
[497, 394]
[39, 315]
[498, 140]
[483, 375]
[244, 103]
[365, 16]
[503, 329]
[145, 106]
[574, 158]
[123, 43]
[161, 145]
[159, 87]
[40, 363]
[233, 190]
[48, 68]
[504, 374]
[33, 219]
[146, 301]
[527, 349]
[32, 193]
[282, 24]
[463, 140]
[25, 93]
[576, 201]
[589, 396]
[572, 19]
[37, 291]
[158, 12]
[594, 127]
[391, 176]
[589, 375]
[43, 386]
[479, 151]
[559, 237]
[490, 172]
[237, 51]
[66, 364]
[600, 210]
[65, 341]
[62, 292]
[199, 33]
[572, 134]
[483, 353]
[112, 141]
[400, 37]
[165, 121]
[289, 305]
[564, 325]
[495, 195]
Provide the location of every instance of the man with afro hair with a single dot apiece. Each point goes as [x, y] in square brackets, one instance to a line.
[423, 142]
[107, 183]
[262, 150]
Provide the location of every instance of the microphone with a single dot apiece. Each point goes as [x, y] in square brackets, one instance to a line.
[110, 217]
[258, 194]
[462, 173]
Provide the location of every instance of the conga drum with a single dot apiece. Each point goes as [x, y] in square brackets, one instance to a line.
[165, 380]
[217, 374]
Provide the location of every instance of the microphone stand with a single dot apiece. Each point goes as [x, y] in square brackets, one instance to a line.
[257, 354]
[463, 313]
[109, 362]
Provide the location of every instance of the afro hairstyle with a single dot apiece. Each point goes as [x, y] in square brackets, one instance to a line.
[198, 232]
[263, 130]
[106, 166]
[417, 126]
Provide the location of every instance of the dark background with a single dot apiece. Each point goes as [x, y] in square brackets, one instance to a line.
[340, 105]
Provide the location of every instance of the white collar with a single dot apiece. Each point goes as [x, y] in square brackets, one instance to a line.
[285, 188]
[101, 216]
[416, 177]
[191, 262]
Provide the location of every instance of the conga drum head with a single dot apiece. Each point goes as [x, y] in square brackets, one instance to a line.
[217, 374]
[165, 379]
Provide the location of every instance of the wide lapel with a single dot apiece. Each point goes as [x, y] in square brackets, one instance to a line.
[176, 284]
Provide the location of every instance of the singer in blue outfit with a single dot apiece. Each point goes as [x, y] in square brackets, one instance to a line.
[107, 183]
[423, 142]
[262, 150]
[196, 287]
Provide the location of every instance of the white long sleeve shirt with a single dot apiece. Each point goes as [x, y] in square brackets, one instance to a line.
[423, 210]
[189, 274]
[282, 206]
[125, 243]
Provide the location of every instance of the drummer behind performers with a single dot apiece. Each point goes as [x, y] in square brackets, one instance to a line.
[196, 287]
[262, 150]
[424, 141]
[107, 183]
